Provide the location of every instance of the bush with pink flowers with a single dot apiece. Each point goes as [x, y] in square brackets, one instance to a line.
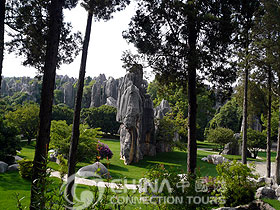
[103, 151]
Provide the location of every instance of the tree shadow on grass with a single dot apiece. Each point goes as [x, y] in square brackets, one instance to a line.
[13, 181]
[174, 159]
[116, 167]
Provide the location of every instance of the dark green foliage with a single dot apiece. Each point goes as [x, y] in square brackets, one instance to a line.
[58, 96]
[25, 119]
[274, 123]
[62, 112]
[220, 136]
[60, 140]
[176, 95]
[29, 24]
[257, 99]
[103, 117]
[9, 141]
[103, 10]
[87, 92]
[170, 184]
[25, 168]
[229, 116]
[233, 185]
[166, 129]
[256, 140]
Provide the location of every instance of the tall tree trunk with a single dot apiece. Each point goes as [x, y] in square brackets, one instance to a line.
[2, 32]
[277, 170]
[268, 143]
[78, 104]
[39, 167]
[245, 117]
[192, 106]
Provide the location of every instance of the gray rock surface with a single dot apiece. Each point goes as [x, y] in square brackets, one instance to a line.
[161, 110]
[3, 167]
[231, 149]
[216, 159]
[17, 158]
[69, 95]
[14, 167]
[255, 205]
[104, 91]
[110, 101]
[265, 192]
[136, 115]
[95, 170]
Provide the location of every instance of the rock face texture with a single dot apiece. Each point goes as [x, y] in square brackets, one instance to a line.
[159, 112]
[136, 115]
[3, 167]
[69, 95]
[95, 170]
[104, 91]
[162, 109]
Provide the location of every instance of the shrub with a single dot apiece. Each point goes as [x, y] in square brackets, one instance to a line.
[233, 184]
[165, 130]
[62, 112]
[162, 182]
[229, 116]
[9, 142]
[25, 169]
[61, 135]
[220, 136]
[103, 117]
[256, 140]
[25, 119]
[103, 151]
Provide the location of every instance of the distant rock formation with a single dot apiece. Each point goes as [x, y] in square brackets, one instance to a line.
[104, 91]
[159, 112]
[162, 109]
[136, 115]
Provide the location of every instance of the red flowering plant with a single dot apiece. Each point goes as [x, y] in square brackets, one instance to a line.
[103, 151]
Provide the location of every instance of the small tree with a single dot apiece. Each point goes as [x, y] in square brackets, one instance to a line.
[26, 120]
[62, 112]
[60, 140]
[220, 136]
[9, 142]
[256, 141]
[103, 117]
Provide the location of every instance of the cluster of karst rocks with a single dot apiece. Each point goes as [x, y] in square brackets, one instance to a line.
[128, 94]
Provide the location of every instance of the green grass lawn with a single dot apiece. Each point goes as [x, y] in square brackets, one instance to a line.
[118, 170]
[11, 183]
[274, 203]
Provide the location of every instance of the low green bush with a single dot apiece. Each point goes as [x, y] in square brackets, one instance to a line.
[220, 136]
[61, 135]
[189, 192]
[232, 185]
[25, 168]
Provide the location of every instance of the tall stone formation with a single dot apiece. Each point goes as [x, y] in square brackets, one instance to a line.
[159, 112]
[104, 91]
[136, 115]
[68, 93]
